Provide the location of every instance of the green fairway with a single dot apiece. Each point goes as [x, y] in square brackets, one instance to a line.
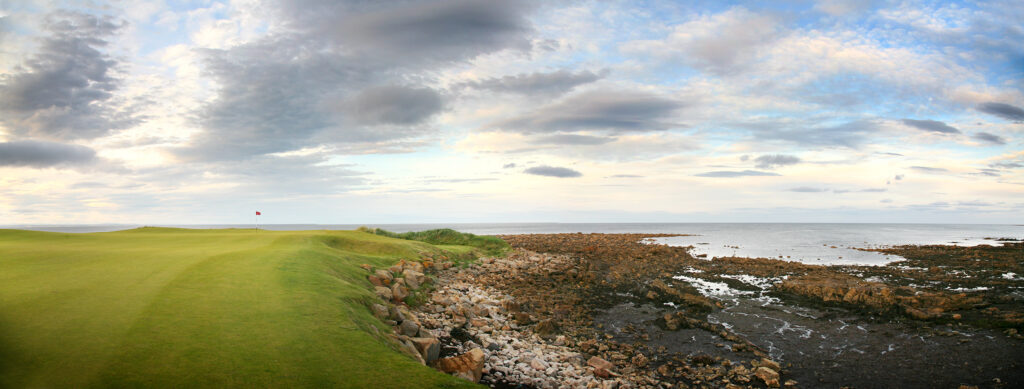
[185, 308]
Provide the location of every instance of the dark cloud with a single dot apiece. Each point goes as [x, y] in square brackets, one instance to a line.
[625, 176]
[931, 125]
[899, 177]
[772, 161]
[458, 180]
[1003, 110]
[551, 171]
[927, 169]
[34, 153]
[989, 138]
[613, 111]
[744, 173]
[64, 91]
[509, 166]
[394, 104]
[554, 83]
[1007, 165]
[441, 30]
[572, 139]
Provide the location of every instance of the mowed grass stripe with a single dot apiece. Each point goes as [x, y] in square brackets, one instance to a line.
[167, 307]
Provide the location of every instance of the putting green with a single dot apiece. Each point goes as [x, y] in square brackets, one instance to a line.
[210, 308]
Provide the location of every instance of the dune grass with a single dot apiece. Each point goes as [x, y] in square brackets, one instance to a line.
[159, 307]
[488, 245]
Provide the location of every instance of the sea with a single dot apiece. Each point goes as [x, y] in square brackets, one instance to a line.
[812, 243]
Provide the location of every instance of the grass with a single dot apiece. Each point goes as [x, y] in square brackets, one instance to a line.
[160, 307]
[446, 237]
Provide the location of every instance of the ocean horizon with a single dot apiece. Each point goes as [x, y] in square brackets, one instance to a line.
[812, 243]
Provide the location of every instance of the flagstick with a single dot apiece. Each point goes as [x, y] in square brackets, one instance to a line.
[257, 222]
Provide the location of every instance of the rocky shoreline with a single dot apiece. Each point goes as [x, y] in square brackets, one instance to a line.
[607, 310]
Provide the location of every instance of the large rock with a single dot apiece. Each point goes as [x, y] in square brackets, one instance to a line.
[408, 328]
[546, 328]
[384, 276]
[469, 365]
[413, 278]
[429, 348]
[383, 293]
[399, 292]
[768, 376]
[600, 363]
[409, 348]
[380, 311]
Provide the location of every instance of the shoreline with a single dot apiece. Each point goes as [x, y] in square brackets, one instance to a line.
[631, 305]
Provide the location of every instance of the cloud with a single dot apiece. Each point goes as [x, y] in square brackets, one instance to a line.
[721, 44]
[928, 169]
[39, 154]
[1003, 110]
[553, 83]
[772, 161]
[394, 105]
[509, 166]
[625, 176]
[440, 31]
[899, 177]
[744, 173]
[65, 90]
[807, 189]
[572, 139]
[612, 111]
[550, 171]
[989, 138]
[849, 135]
[931, 125]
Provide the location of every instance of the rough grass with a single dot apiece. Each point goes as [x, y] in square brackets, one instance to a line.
[158, 307]
[488, 245]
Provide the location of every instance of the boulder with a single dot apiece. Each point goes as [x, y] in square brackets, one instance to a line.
[600, 363]
[383, 293]
[768, 376]
[545, 328]
[469, 365]
[413, 278]
[429, 348]
[384, 276]
[408, 328]
[409, 348]
[770, 364]
[399, 292]
[379, 311]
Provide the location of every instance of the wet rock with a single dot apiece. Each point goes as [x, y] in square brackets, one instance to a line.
[468, 365]
[770, 364]
[768, 376]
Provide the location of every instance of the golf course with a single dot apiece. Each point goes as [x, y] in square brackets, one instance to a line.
[165, 307]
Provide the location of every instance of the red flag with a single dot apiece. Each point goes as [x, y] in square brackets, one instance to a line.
[258, 213]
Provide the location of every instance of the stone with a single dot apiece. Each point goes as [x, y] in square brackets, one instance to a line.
[384, 276]
[379, 311]
[770, 364]
[410, 349]
[429, 348]
[522, 318]
[475, 322]
[468, 366]
[413, 278]
[768, 376]
[538, 364]
[790, 384]
[600, 363]
[639, 360]
[409, 328]
[399, 292]
[374, 280]
[546, 327]
[652, 295]
[957, 316]
[367, 267]
[383, 293]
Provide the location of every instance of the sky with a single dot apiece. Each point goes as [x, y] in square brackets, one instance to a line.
[347, 112]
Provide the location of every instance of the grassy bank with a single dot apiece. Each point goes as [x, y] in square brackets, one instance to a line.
[184, 308]
[446, 237]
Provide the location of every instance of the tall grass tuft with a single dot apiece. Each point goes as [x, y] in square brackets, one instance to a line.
[490, 245]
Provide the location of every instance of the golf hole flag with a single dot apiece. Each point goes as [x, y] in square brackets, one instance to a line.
[258, 213]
